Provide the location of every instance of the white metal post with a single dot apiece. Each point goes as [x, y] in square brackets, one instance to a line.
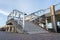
[23, 21]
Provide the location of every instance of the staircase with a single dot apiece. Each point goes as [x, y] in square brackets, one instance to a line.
[32, 28]
[29, 27]
[18, 28]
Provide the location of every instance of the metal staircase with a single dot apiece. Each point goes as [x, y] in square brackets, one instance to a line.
[23, 26]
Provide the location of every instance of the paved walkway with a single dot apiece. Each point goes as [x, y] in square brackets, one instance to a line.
[15, 36]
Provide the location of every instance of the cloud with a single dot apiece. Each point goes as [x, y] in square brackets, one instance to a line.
[4, 12]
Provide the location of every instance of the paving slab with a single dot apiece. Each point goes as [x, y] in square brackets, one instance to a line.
[39, 36]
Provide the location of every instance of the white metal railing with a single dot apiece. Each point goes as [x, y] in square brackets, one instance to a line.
[18, 16]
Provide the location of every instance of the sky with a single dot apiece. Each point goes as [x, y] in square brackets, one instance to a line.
[27, 6]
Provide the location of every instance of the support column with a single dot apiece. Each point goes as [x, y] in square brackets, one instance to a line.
[53, 18]
[46, 24]
[8, 29]
[12, 29]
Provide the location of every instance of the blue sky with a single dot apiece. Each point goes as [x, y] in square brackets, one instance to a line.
[27, 6]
